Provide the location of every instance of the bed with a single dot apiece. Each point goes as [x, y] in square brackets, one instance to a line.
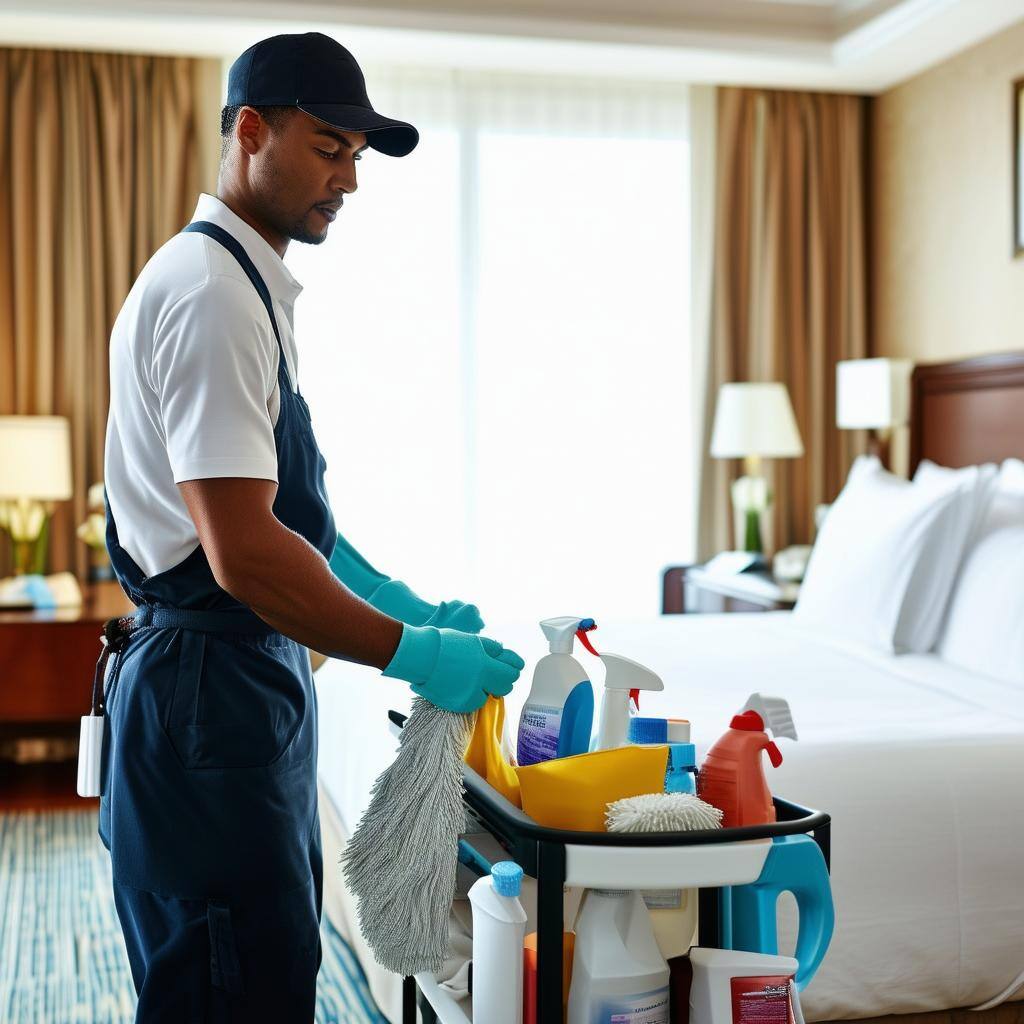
[919, 762]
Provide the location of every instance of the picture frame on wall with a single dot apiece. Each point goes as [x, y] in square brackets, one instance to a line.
[1018, 167]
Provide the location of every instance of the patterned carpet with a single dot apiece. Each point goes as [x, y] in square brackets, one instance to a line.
[62, 958]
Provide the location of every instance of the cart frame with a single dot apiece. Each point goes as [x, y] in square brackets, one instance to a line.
[541, 852]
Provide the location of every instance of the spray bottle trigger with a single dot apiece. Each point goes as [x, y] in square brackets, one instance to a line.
[581, 635]
[774, 754]
[634, 696]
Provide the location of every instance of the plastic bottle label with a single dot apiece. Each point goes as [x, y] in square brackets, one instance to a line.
[539, 726]
[761, 1000]
[645, 1008]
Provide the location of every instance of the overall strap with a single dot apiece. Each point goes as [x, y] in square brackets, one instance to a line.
[233, 246]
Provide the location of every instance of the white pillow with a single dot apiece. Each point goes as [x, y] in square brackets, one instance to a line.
[984, 629]
[874, 540]
[931, 586]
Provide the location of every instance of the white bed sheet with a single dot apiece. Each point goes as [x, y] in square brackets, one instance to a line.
[919, 763]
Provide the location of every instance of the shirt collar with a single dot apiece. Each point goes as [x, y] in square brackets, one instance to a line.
[280, 281]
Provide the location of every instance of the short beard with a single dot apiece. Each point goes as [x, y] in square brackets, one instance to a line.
[273, 182]
[299, 233]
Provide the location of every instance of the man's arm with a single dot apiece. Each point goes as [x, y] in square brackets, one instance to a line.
[282, 577]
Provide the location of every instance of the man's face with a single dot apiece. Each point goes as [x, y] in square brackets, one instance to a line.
[301, 173]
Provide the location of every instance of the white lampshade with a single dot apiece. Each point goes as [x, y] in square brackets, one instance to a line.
[35, 458]
[872, 393]
[755, 419]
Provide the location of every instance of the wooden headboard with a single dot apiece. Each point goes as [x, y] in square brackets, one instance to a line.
[967, 412]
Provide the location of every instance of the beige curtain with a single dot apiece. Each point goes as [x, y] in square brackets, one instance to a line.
[789, 290]
[101, 158]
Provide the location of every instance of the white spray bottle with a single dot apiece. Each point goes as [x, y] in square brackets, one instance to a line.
[618, 974]
[558, 715]
[623, 681]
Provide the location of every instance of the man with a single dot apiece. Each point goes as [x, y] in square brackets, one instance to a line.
[218, 528]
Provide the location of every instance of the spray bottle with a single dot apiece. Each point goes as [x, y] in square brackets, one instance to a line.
[618, 974]
[732, 776]
[558, 715]
[623, 681]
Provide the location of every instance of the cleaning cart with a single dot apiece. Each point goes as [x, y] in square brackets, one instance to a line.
[706, 861]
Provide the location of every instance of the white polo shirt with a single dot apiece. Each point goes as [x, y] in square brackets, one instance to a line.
[193, 382]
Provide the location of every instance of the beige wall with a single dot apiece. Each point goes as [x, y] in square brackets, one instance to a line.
[209, 75]
[945, 282]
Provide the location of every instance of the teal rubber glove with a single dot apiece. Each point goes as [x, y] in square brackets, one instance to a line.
[456, 671]
[397, 599]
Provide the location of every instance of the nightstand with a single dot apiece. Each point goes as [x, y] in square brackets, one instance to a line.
[48, 659]
[691, 588]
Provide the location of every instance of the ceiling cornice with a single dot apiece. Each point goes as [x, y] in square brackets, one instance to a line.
[872, 44]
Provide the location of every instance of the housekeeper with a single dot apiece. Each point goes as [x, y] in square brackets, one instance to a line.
[219, 529]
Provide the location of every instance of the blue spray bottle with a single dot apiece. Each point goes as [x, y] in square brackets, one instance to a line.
[559, 712]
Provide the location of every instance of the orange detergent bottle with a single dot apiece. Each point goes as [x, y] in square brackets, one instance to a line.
[732, 776]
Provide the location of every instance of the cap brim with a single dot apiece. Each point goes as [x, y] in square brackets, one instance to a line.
[384, 134]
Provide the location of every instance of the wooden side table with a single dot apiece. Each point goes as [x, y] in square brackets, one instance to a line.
[691, 588]
[47, 661]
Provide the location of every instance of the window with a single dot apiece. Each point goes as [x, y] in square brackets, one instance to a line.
[494, 342]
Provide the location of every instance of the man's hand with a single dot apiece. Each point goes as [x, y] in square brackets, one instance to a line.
[398, 599]
[282, 577]
[457, 615]
[455, 671]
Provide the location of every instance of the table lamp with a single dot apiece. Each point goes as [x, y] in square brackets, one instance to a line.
[35, 472]
[752, 422]
[873, 395]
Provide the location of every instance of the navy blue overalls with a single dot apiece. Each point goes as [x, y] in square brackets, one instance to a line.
[209, 803]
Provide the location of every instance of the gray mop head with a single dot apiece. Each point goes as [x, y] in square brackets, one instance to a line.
[661, 812]
[400, 863]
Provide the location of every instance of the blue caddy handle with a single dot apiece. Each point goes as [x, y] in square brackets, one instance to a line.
[794, 864]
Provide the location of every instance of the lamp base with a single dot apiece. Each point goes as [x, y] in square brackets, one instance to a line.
[750, 502]
[880, 444]
[752, 531]
[29, 553]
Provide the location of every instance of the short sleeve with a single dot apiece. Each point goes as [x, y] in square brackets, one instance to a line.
[214, 355]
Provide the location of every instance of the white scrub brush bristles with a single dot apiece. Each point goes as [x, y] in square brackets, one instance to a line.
[662, 812]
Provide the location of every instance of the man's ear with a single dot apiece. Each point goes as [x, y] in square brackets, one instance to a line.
[250, 130]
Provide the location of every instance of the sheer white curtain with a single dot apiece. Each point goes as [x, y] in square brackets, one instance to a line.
[495, 343]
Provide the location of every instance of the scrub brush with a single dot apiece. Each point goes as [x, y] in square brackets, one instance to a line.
[401, 860]
[662, 812]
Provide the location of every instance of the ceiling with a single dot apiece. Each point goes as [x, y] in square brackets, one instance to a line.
[849, 45]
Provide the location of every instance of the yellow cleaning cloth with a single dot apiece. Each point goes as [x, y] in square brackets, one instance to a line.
[484, 754]
[573, 792]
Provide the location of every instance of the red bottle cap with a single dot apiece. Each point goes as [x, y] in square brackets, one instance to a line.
[749, 721]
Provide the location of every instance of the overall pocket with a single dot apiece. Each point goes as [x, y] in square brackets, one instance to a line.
[236, 703]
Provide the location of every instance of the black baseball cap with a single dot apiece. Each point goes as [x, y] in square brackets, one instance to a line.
[318, 75]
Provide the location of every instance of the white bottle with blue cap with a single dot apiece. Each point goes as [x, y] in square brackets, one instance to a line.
[499, 927]
[673, 911]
